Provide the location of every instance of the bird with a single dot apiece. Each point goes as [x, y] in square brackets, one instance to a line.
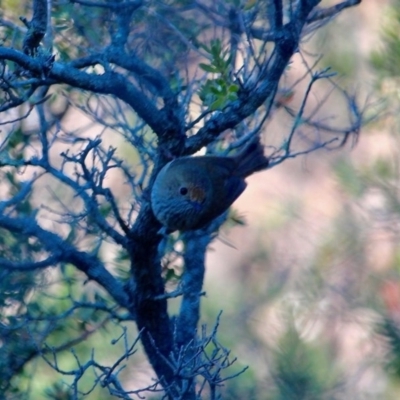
[191, 191]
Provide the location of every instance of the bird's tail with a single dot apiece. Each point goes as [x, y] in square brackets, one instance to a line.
[251, 159]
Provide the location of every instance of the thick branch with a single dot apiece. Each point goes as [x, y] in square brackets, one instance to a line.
[65, 252]
[276, 14]
[36, 27]
[196, 243]
[143, 71]
[108, 83]
[147, 289]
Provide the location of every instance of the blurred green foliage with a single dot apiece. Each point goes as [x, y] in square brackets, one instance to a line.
[302, 370]
[386, 60]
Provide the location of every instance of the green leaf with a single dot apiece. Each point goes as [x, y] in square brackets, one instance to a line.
[208, 68]
[216, 48]
[233, 88]
[217, 90]
[232, 97]
[218, 104]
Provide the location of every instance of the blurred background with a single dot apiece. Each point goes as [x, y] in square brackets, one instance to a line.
[310, 286]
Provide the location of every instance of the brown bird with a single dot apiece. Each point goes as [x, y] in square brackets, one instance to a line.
[190, 192]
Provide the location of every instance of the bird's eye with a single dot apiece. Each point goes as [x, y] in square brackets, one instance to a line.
[183, 191]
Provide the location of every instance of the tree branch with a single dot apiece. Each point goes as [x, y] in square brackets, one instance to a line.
[146, 289]
[30, 265]
[329, 12]
[65, 252]
[143, 71]
[36, 27]
[108, 83]
[130, 5]
[196, 243]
